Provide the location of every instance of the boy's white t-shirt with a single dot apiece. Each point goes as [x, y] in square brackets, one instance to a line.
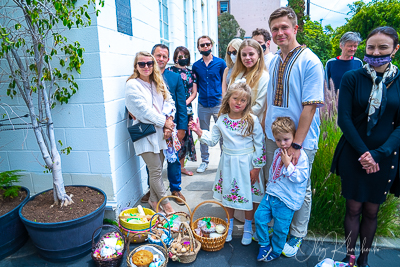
[303, 84]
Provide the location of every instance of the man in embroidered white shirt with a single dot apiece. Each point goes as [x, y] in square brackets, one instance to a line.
[295, 90]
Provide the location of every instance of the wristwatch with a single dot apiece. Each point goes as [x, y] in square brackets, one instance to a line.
[296, 146]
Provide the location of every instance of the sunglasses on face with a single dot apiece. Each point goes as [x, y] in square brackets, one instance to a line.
[206, 44]
[148, 63]
[182, 57]
[233, 53]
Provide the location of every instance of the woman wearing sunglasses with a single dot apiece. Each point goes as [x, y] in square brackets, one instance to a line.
[230, 59]
[149, 101]
[182, 61]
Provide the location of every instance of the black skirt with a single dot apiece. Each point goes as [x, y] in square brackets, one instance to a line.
[360, 186]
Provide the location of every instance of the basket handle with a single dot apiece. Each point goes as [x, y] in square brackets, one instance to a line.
[191, 238]
[159, 214]
[110, 226]
[159, 202]
[207, 201]
[149, 233]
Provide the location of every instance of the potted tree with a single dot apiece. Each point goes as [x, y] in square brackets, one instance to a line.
[13, 232]
[41, 65]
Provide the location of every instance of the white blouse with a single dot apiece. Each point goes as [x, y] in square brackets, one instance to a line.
[139, 96]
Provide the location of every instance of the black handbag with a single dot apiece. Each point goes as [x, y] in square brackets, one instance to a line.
[141, 130]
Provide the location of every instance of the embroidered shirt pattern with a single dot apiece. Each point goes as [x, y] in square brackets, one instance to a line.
[280, 79]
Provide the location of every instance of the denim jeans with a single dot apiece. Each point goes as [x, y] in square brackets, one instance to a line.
[272, 207]
[205, 115]
[174, 175]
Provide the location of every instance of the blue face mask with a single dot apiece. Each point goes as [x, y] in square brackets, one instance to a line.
[377, 61]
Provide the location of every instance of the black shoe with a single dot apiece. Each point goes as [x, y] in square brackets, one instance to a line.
[362, 265]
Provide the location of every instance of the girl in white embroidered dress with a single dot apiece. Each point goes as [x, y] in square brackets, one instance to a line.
[237, 182]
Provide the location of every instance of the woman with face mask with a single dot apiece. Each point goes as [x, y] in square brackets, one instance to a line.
[182, 61]
[367, 155]
[230, 59]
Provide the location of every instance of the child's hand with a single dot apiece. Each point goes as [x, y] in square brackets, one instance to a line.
[254, 175]
[286, 159]
[195, 127]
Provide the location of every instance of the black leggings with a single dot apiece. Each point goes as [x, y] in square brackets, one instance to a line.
[366, 228]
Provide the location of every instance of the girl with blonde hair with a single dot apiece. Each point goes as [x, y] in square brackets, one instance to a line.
[230, 59]
[250, 65]
[237, 184]
[149, 101]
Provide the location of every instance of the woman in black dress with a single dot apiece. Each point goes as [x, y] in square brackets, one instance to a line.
[367, 156]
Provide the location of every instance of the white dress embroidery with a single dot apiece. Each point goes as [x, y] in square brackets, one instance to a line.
[240, 155]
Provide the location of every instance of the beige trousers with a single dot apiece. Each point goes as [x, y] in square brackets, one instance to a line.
[154, 163]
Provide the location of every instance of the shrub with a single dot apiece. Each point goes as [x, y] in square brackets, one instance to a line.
[328, 206]
[7, 179]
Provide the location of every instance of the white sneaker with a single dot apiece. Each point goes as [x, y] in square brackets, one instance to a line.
[292, 246]
[202, 168]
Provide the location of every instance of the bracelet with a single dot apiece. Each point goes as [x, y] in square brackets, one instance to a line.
[296, 146]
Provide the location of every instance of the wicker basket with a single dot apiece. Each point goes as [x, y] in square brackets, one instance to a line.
[163, 249]
[174, 233]
[168, 233]
[140, 238]
[111, 262]
[194, 246]
[207, 243]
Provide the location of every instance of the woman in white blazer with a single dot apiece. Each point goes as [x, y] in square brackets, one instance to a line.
[149, 101]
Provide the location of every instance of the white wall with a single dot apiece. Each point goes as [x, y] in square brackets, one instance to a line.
[94, 123]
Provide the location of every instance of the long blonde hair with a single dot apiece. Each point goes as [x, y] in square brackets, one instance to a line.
[235, 43]
[244, 90]
[254, 75]
[155, 76]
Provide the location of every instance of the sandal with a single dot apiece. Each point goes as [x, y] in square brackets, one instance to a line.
[184, 171]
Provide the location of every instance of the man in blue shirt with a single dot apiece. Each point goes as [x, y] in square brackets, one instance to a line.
[209, 71]
[336, 67]
[175, 86]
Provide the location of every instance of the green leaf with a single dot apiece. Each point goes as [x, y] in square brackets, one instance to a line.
[62, 62]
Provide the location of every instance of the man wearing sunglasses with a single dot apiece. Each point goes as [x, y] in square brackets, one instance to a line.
[263, 37]
[175, 86]
[209, 71]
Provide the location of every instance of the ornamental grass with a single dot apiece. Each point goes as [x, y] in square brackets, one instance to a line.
[328, 205]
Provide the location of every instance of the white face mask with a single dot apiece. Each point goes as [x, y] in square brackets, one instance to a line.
[233, 57]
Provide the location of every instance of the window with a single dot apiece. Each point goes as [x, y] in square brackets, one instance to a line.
[185, 21]
[224, 6]
[124, 18]
[164, 27]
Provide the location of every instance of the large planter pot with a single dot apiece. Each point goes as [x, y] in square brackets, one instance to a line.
[13, 233]
[68, 240]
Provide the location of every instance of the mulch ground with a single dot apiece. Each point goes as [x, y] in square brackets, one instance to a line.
[86, 200]
[8, 204]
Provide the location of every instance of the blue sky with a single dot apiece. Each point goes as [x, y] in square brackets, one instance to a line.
[329, 17]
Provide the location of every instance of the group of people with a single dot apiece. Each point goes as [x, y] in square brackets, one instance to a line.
[265, 109]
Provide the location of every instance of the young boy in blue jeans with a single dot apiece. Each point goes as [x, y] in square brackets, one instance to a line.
[286, 189]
